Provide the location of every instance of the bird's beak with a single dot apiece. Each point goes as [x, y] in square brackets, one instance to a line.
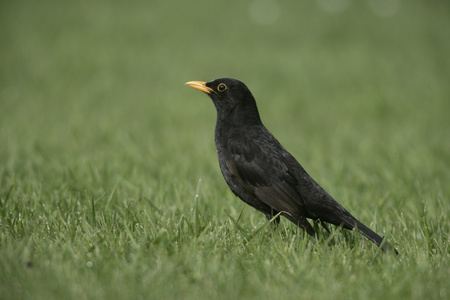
[201, 86]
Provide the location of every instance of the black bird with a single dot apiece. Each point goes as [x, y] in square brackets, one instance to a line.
[261, 172]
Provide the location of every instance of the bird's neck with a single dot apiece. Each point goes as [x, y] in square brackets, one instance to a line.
[239, 116]
[235, 122]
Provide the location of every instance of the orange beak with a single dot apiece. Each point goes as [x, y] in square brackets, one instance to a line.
[201, 86]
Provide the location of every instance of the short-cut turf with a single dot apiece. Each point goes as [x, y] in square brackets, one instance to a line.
[102, 148]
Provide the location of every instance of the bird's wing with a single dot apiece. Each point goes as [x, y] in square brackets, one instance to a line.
[260, 166]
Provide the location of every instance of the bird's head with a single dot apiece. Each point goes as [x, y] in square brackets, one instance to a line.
[232, 98]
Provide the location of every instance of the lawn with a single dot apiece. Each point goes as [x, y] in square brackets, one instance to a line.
[109, 181]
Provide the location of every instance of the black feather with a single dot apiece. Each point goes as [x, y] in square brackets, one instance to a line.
[261, 172]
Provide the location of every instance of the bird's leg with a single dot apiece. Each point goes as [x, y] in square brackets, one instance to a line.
[276, 221]
[323, 224]
[307, 227]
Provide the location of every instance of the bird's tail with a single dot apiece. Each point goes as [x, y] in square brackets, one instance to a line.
[368, 233]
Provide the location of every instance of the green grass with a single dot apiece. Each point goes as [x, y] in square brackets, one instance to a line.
[109, 182]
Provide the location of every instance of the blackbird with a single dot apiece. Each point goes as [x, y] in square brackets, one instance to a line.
[260, 171]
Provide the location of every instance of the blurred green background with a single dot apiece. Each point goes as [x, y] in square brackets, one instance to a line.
[94, 113]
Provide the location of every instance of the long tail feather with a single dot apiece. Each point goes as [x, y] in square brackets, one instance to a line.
[368, 233]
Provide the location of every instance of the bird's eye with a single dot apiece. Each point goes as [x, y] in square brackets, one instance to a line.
[221, 87]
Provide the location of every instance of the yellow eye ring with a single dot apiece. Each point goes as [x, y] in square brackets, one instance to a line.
[221, 87]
